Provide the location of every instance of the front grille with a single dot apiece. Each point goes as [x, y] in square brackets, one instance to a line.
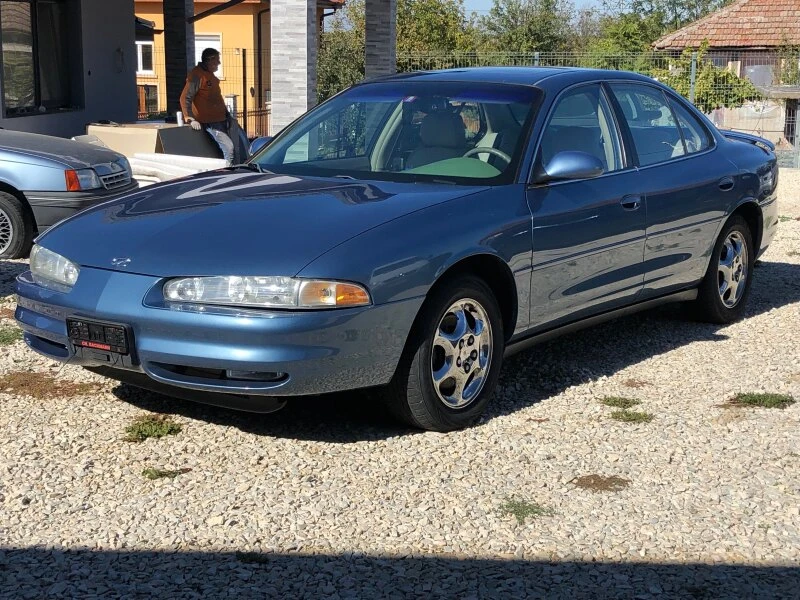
[117, 180]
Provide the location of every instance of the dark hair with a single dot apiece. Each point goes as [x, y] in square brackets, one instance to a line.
[208, 54]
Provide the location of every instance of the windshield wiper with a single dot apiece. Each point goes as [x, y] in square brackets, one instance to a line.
[253, 166]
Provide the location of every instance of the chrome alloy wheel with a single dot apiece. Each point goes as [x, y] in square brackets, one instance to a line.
[462, 353]
[732, 269]
[6, 231]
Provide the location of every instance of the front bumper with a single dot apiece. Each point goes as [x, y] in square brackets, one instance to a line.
[51, 207]
[314, 352]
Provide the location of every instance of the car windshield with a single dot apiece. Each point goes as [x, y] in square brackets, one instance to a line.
[464, 133]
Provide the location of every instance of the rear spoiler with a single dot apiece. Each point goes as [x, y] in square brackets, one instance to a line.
[748, 138]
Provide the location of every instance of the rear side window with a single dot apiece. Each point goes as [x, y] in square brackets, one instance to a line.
[694, 133]
[656, 136]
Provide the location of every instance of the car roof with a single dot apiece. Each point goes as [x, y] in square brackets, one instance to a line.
[531, 76]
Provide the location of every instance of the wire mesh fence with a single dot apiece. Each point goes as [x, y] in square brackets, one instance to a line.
[244, 80]
[751, 91]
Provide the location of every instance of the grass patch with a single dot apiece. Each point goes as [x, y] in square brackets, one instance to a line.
[763, 400]
[152, 473]
[40, 386]
[598, 483]
[252, 558]
[521, 510]
[151, 426]
[6, 313]
[9, 335]
[630, 416]
[618, 402]
[784, 218]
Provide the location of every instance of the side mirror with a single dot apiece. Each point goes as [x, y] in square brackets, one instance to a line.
[258, 143]
[570, 164]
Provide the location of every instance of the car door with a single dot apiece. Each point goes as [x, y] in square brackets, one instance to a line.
[686, 183]
[588, 234]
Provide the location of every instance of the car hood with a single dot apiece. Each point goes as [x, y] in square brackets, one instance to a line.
[77, 155]
[235, 223]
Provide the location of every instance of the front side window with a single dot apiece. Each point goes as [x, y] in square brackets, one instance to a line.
[410, 131]
[40, 55]
[656, 136]
[582, 122]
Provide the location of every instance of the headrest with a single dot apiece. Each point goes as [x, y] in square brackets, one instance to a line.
[443, 129]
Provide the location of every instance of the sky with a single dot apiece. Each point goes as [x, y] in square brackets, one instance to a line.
[483, 6]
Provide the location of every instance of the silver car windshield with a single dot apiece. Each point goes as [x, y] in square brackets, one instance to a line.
[410, 131]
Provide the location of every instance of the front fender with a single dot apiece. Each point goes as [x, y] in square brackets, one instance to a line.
[403, 259]
[27, 177]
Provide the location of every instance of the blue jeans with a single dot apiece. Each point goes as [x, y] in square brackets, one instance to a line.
[219, 131]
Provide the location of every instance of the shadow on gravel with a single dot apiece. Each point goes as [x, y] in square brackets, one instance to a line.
[38, 573]
[8, 274]
[527, 378]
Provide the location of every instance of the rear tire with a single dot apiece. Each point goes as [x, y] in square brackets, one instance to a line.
[16, 231]
[725, 288]
[451, 363]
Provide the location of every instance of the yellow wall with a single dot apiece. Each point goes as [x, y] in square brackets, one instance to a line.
[237, 27]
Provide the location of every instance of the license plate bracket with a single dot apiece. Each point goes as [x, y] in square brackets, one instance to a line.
[100, 335]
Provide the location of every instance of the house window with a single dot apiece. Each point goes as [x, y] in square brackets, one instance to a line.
[148, 100]
[144, 55]
[39, 54]
[208, 40]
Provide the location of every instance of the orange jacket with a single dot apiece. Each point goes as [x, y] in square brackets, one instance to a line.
[202, 97]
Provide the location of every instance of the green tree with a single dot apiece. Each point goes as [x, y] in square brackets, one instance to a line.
[423, 26]
[340, 62]
[528, 25]
[714, 87]
[432, 25]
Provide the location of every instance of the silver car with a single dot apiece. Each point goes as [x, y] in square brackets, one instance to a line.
[45, 179]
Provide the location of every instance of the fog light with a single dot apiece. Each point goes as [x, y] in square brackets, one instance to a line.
[254, 375]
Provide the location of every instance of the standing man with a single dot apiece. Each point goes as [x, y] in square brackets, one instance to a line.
[202, 103]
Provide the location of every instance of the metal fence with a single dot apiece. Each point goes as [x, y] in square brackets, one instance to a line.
[750, 91]
[244, 79]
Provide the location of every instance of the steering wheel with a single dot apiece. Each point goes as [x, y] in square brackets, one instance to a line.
[488, 150]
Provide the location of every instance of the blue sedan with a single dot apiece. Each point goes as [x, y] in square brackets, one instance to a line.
[409, 233]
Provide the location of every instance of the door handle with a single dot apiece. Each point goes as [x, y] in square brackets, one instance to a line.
[726, 184]
[631, 202]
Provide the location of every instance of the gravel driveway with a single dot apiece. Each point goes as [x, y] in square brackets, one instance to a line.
[330, 499]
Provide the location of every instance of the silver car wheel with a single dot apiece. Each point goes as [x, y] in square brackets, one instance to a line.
[732, 269]
[462, 353]
[6, 231]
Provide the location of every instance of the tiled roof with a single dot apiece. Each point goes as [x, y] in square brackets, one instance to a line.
[743, 24]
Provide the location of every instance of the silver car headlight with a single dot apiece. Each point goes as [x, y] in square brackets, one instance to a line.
[53, 270]
[266, 292]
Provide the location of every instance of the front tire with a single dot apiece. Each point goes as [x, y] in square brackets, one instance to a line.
[16, 232]
[725, 288]
[451, 363]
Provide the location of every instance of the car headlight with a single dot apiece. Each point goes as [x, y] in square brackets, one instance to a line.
[82, 179]
[53, 270]
[266, 292]
[123, 162]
